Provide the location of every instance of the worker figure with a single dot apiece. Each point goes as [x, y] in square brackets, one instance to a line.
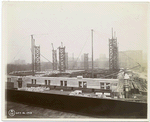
[126, 85]
[103, 95]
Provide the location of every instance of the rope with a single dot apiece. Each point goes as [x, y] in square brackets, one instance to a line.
[20, 49]
[130, 58]
[45, 58]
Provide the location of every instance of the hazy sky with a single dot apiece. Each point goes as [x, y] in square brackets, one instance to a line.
[71, 23]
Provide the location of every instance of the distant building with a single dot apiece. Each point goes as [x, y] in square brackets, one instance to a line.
[72, 64]
[46, 66]
[102, 57]
[145, 63]
[102, 62]
[130, 58]
[19, 62]
[86, 65]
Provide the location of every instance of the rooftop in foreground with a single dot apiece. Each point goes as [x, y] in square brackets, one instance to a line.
[137, 97]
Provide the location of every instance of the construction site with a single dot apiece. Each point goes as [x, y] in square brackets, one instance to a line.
[111, 70]
[125, 86]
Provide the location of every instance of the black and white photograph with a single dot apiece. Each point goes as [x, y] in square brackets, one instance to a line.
[78, 60]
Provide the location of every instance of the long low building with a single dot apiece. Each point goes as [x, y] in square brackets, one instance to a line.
[65, 82]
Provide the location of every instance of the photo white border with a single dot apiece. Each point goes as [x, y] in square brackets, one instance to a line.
[3, 65]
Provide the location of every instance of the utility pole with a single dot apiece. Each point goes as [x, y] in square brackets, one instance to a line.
[92, 50]
[32, 52]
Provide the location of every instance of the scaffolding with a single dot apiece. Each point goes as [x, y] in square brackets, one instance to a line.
[32, 54]
[62, 62]
[54, 59]
[37, 58]
[113, 54]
